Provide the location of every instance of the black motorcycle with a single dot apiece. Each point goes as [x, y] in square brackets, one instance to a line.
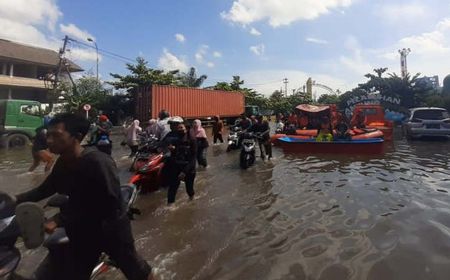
[247, 156]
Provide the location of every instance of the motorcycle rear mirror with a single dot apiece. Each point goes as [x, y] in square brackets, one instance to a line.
[58, 200]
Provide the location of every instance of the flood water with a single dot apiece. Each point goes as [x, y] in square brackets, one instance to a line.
[296, 217]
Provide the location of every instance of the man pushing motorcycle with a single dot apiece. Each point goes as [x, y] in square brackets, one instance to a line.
[94, 218]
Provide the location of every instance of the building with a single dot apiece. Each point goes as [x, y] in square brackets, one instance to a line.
[23, 68]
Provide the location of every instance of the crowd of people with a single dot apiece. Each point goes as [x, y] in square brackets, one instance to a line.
[84, 163]
[330, 125]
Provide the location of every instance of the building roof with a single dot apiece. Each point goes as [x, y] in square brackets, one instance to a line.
[20, 52]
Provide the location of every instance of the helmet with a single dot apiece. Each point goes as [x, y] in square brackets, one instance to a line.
[176, 119]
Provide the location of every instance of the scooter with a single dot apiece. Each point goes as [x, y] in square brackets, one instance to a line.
[56, 243]
[247, 155]
[148, 146]
[233, 138]
[148, 175]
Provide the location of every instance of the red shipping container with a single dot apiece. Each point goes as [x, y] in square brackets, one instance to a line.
[189, 103]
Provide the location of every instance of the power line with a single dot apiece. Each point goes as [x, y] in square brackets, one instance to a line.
[104, 52]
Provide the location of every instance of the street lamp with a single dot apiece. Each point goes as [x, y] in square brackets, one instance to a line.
[96, 49]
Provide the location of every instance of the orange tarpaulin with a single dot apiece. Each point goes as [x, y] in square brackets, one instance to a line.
[312, 108]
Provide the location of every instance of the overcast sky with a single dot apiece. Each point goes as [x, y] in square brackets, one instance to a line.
[335, 42]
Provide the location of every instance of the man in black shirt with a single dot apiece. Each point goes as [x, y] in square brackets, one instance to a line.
[262, 127]
[95, 218]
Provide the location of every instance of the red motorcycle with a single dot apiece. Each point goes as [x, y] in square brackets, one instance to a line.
[148, 177]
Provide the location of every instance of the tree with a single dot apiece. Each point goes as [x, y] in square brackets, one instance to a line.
[328, 99]
[87, 90]
[142, 75]
[236, 83]
[446, 88]
[190, 79]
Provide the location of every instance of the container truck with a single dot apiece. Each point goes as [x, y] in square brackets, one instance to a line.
[18, 121]
[189, 103]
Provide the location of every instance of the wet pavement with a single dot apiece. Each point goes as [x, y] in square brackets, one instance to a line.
[296, 217]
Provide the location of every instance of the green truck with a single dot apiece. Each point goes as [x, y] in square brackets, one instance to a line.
[18, 121]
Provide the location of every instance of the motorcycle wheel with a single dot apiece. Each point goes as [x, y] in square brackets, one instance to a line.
[243, 160]
[228, 148]
[251, 159]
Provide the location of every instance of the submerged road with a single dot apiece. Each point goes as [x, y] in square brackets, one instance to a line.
[296, 217]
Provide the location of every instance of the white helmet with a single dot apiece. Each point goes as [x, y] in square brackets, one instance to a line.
[175, 119]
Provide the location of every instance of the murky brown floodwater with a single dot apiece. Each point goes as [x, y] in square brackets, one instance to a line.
[297, 217]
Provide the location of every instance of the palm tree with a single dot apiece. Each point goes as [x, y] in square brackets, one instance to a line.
[190, 79]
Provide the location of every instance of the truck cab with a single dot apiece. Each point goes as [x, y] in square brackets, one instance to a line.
[251, 110]
[18, 121]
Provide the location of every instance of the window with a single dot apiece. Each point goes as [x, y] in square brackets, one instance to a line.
[32, 109]
[430, 114]
[370, 111]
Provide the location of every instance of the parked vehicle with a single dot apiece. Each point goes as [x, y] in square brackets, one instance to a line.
[247, 156]
[233, 138]
[427, 122]
[252, 110]
[376, 119]
[191, 103]
[18, 121]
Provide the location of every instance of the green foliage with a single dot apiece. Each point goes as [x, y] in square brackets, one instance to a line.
[329, 99]
[446, 89]
[142, 75]
[190, 79]
[88, 91]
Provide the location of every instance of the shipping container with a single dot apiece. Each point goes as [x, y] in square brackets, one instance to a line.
[189, 103]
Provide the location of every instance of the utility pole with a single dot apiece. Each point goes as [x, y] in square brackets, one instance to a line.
[403, 66]
[285, 81]
[61, 61]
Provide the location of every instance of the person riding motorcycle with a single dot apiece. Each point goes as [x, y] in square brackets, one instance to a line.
[244, 124]
[263, 129]
[94, 218]
[162, 125]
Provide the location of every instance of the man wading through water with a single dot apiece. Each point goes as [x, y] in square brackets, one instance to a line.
[181, 154]
[95, 218]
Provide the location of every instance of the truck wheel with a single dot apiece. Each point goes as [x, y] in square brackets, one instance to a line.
[16, 140]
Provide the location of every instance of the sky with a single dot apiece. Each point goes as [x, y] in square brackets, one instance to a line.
[335, 42]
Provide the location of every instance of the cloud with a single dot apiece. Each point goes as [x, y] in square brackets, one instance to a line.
[180, 38]
[72, 30]
[245, 12]
[33, 22]
[34, 12]
[83, 54]
[255, 32]
[201, 53]
[258, 49]
[217, 54]
[316, 41]
[210, 64]
[169, 62]
[401, 13]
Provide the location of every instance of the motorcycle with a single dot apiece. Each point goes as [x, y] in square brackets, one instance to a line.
[148, 175]
[247, 155]
[148, 146]
[56, 242]
[233, 138]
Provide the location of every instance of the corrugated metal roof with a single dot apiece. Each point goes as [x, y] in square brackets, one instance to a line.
[25, 53]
